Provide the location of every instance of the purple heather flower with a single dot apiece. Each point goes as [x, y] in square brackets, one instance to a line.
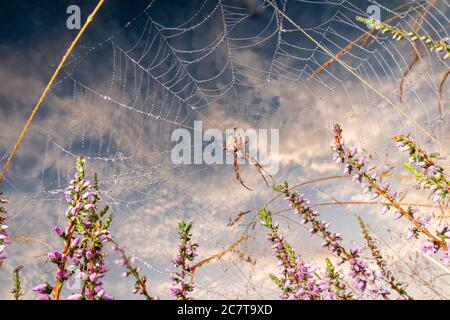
[421, 164]
[87, 223]
[94, 277]
[76, 242]
[409, 234]
[429, 248]
[355, 251]
[88, 195]
[397, 215]
[100, 293]
[42, 297]
[58, 230]
[75, 296]
[4, 240]
[75, 209]
[120, 262]
[374, 196]
[431, 170]
[425, 219]
[89, 206]
[436, 198]
[443, 230]
[89, 255]
[87, 184]
[43, 288]
[174, 291]
[107, 297]
[446, 258]
[60, 274]
[54, 255]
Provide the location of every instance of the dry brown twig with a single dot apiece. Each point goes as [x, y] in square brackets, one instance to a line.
[219, 255]
[441, 92]
[363, 38]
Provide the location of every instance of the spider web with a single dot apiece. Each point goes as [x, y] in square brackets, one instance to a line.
[229, 63]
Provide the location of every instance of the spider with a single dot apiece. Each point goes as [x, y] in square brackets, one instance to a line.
[236, 145]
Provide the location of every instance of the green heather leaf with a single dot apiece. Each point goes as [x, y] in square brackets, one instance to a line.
[103, 211]
[278, 188]
[107, 222]
[416, 172]
[290, 252]
[265, 216]
[182, 225]
[276, 280]
[330, 267]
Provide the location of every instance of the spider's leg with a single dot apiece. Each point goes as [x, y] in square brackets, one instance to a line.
[260, 169]
[257, 165]
[236, 171]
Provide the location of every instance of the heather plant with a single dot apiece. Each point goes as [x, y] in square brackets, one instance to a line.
[4, 238]
[87, 233]
[297, 279]
[17, 284]
[441, 45]
[84, 240]
[336, 280]
[140, 285]
[385, 273]
[183, 278]
[426, 168]
[365, 280]
[355, 165]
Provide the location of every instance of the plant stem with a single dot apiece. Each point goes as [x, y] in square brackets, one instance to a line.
[49, 85]
[17, 290]
[59, 283]
[376, 254]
